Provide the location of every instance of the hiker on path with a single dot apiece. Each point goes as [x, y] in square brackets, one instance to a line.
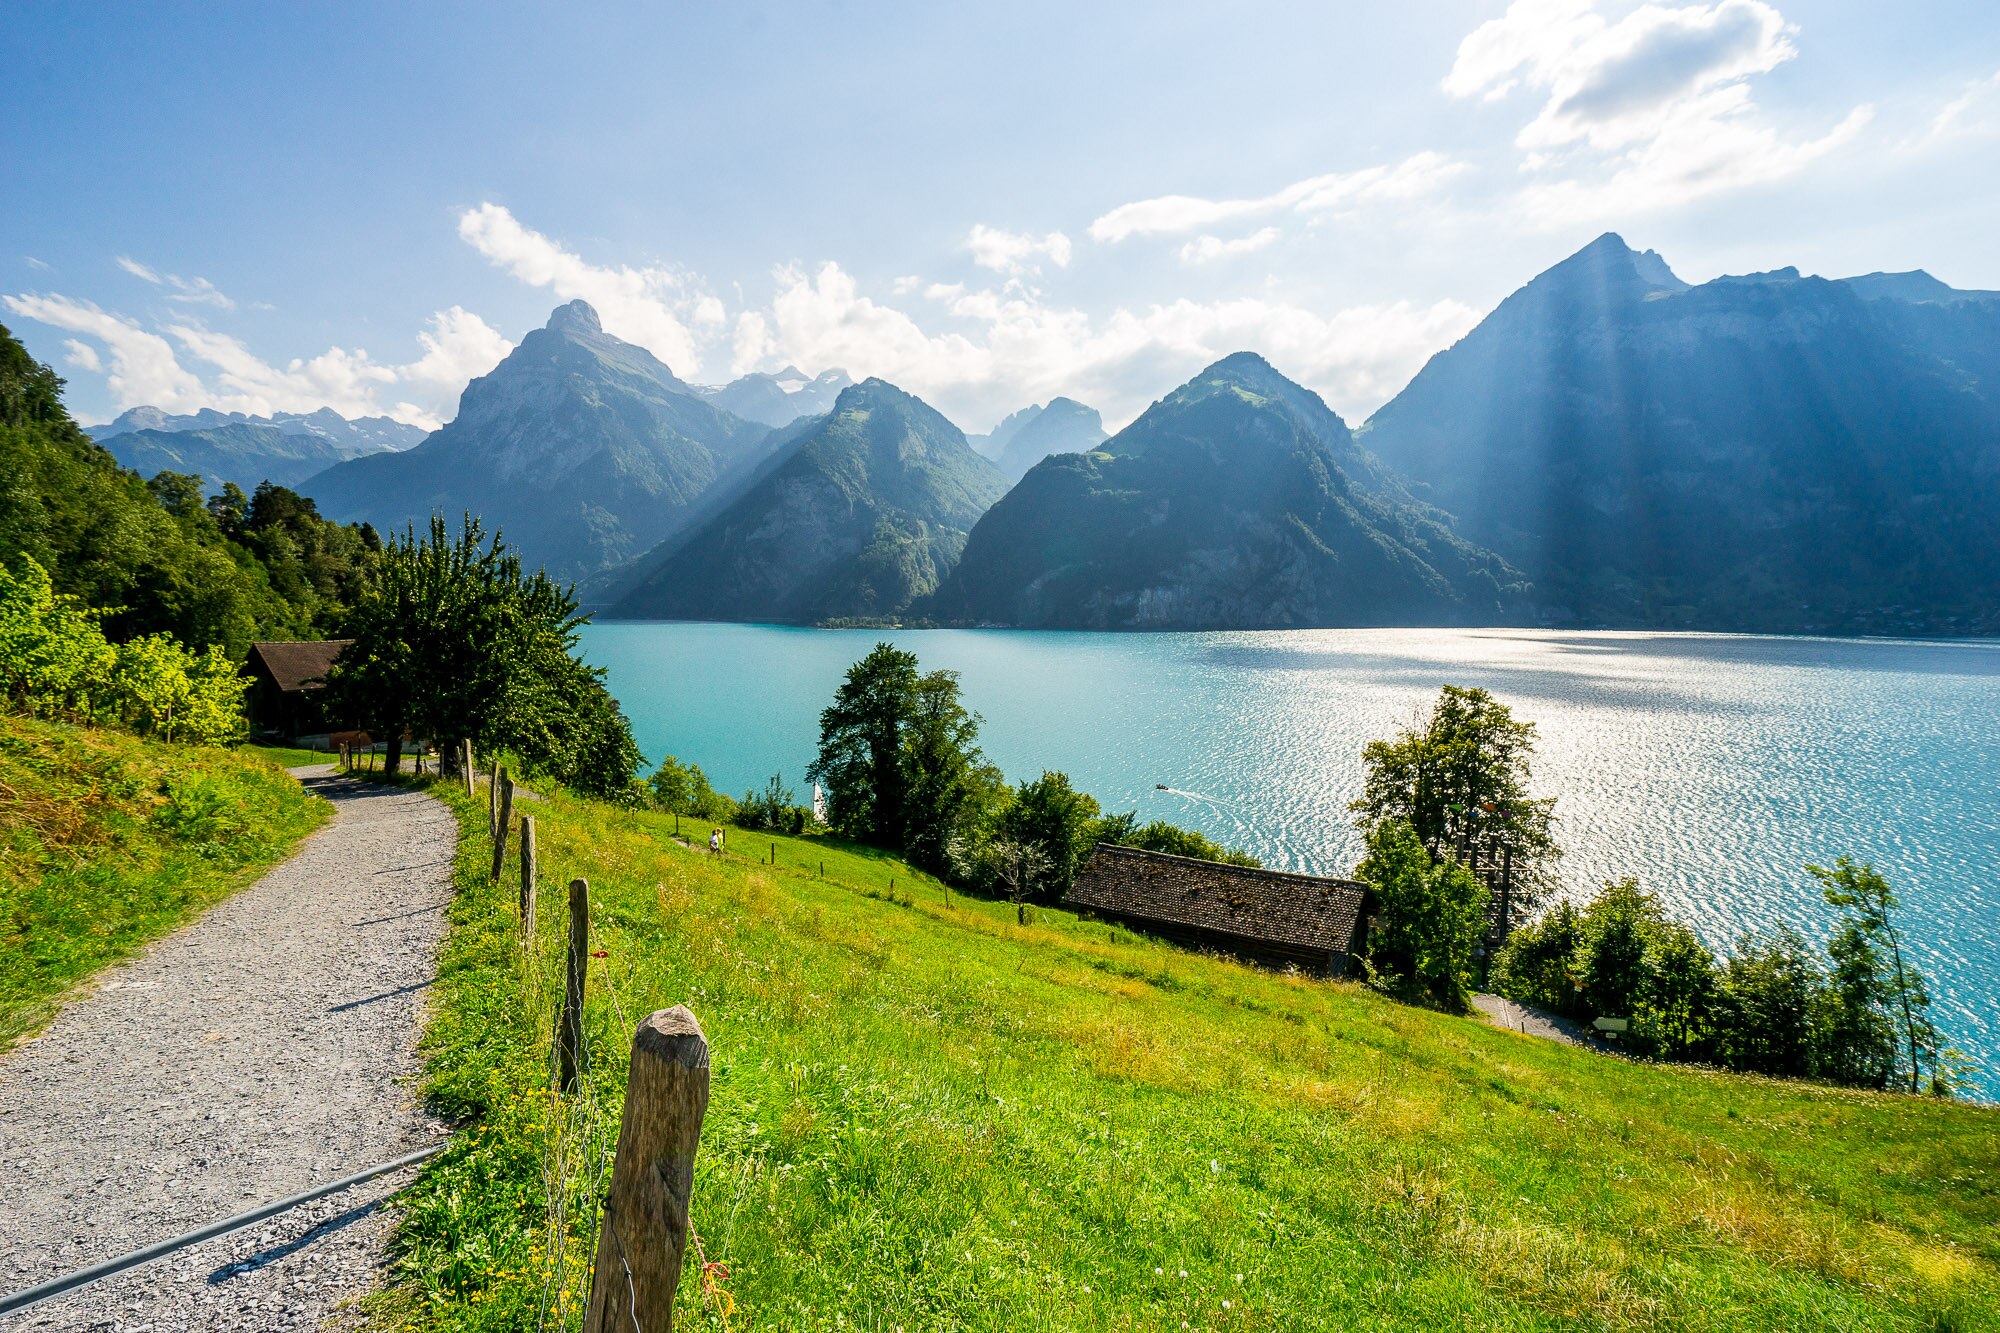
[715, 842]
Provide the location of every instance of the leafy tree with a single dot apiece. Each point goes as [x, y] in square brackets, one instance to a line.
[162, 689]
[1459, 775]
[1613, 936]
[1535, 966]
[683, 789]
[454, 641]
[1431, 915]
[1677, 1002]
[773, 810]
[860, 762]
[1059, 823]
[940, 767]
[1877, 1010]
[1766, 997]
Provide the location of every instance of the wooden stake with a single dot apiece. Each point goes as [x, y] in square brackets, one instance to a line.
[501, 821]
[528, 878]
[569, 1033]
[493, 802]
[642, 1240]
[465, 763]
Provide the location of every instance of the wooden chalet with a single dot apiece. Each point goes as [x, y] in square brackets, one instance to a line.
[1263, 916]
[285, 680]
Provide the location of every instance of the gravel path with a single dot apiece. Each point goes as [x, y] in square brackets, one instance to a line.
[262, 1050]
[1533, 1022]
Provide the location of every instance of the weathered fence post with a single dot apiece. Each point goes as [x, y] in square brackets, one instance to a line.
[569, 1031]
[642, 1240]
[528, 878]
[493, 801]
[465, 763]
[501, 821]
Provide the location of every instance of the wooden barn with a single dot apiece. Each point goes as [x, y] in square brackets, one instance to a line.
[285, 680]
[1262, 916]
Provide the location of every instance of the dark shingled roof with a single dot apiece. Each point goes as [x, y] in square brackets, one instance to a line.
[1264, 906]
[297, 666]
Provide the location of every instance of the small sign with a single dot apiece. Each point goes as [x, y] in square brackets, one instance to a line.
[1611, 1024]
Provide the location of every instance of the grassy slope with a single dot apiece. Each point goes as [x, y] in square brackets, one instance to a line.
[926, 1116]
[108, 841]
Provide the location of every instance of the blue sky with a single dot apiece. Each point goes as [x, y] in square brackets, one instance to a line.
[278, 207]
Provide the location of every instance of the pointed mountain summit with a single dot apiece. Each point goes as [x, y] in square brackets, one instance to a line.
[1064, 426]
[1768, 451]
[584, 449]
[858, 513]
[1238, 501]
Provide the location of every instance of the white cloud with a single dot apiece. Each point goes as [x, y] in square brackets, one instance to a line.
[649, 306]
[144, 367]
[1337, 192]
[1642, 113]
[187, 291]
[40, 266]
[1976, 111]
[750, 344]
[1014, 252]
[1208, 249]
[1011, 347]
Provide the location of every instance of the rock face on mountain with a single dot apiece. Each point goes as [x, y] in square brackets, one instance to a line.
[858, 513]
[1239, 501]
[583, 449]
[1064, 426]
[780, 399]
[1770, 452]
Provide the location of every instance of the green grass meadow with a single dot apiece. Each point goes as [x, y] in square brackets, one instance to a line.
[927, 1116]
[108, 841]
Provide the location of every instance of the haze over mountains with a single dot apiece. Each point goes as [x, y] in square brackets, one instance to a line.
[286, 447]
[860, 513]
[1237, 501]
[1766, 452]
[1611, 446]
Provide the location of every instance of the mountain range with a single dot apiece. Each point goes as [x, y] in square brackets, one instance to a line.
[584, 450]
[1060, 426]
[1238, 501]
[1769, 452]
[857, 514]
[780, 399]
[221, 447]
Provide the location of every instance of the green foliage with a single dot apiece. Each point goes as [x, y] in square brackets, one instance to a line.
[1460, 776]
[1059, 823]
[776, 809]
[1766, 1001]
[683, 789]
[150, 553]
[1536, 964]
[942, 770]
[1430, 916]
[108, 841]
[55, 662]
[860, 760]
[1159, 836]
[1876, 1018]
[455, 641]
[1613, 937]
[903, 1079]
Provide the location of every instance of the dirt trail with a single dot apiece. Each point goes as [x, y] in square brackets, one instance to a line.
[266, 1048]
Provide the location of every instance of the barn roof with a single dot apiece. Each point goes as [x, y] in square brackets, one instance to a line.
[296, 666]
[1264, 906]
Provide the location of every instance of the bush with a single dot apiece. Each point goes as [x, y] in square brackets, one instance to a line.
[1535, 966]
[773, 810]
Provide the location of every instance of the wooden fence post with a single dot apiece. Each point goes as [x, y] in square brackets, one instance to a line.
[528, 878]
[465, 763]
[493, 801]
[642, 1240]
[569, 1032]
[501, 821]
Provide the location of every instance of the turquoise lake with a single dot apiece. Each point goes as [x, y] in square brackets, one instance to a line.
[1712, 767]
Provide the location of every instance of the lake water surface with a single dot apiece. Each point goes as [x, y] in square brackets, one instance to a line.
[1713, 767]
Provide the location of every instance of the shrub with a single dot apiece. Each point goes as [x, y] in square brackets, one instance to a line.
[1535, 966]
